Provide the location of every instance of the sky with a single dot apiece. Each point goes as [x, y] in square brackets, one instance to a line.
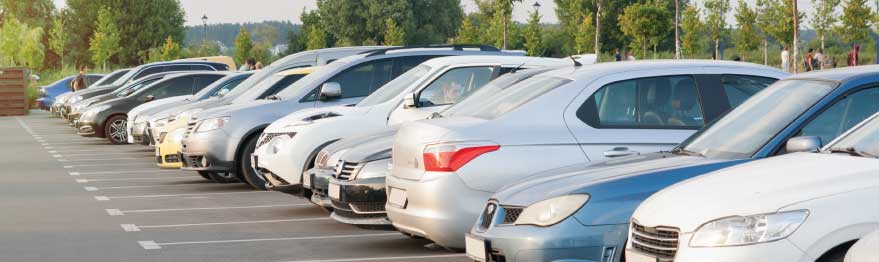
[237, 11]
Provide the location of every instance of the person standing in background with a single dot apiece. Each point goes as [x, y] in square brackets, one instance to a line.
[79, 82]
[785, 60]
[617, 55]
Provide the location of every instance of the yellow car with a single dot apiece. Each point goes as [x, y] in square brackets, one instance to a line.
[168, 145]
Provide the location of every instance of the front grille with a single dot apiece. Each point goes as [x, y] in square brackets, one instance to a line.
[488, 215]
[267, 137]
[368, 207]
[511, 214]
[347, 170]
[660, 242]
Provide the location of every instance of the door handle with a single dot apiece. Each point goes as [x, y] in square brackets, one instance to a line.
[620, 152]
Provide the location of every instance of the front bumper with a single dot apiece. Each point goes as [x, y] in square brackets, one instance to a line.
[317, 180]
[568, 240]
[782, 250]
[439, 207]
[360, 201]
[212, 151]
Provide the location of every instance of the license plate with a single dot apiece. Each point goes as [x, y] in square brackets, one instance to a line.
[334, 191]
[306, 181]
[397, 197]
[638, 257]
[475, 248]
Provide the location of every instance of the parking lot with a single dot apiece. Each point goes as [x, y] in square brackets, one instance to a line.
[81, 199]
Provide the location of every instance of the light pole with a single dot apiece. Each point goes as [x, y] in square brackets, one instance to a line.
[204, 31]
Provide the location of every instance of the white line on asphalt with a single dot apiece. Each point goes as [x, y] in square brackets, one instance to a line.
[126, 164]
[203, 208]
[231, 223]
[383, 258]
[176, 195]
[134, 178]
[103, 159]
[159, 245]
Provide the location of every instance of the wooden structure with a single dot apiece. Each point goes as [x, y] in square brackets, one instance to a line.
[13, 82]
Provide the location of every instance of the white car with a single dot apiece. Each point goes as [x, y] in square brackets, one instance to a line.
[797, 207]
[430, 87]
[445, 169]
[865, 250]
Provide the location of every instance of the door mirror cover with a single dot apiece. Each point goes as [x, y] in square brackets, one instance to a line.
[330, 90]
[803, 144]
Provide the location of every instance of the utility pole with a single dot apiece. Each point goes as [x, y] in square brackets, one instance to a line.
[796, 36]
[677, 31]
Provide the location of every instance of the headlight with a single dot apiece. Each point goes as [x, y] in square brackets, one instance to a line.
[551, 211]
[748, 230]
[91, 112]
[212, 124]
[377, 168]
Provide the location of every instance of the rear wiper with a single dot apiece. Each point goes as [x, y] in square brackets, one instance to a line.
[853, 152]
[682, 151]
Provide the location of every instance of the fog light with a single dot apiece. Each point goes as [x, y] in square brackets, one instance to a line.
[204, 162]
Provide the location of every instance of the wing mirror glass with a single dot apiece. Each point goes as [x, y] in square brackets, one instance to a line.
[149, 98]
[330, 90]
[803, 144]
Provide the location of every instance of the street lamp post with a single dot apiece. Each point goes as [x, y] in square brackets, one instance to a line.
[204, 31]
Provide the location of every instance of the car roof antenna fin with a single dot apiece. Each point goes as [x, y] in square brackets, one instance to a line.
[576, 63]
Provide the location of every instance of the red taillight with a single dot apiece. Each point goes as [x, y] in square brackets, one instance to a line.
[451, 156]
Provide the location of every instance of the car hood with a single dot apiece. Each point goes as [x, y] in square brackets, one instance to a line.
[758, 187]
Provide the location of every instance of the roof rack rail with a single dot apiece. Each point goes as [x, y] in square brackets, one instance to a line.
[456, 47]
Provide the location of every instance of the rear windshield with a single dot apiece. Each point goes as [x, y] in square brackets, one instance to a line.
[495, 99]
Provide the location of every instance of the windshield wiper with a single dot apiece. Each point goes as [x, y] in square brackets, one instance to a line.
[853, 152]
[682, 151]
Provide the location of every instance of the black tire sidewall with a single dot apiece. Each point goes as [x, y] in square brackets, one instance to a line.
[250, 176]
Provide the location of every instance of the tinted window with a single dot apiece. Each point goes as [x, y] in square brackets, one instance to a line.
[843, 115]
[656, 102]
[739, 88]
[203, 81]
[148, 71]
[453, 85]
[173, 87]
[280, 85]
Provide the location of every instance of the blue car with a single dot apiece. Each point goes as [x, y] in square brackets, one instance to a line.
[49, 92]
[577, 214]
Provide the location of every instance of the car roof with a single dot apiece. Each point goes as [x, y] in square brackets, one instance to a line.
[602, 69]
[841, 74]
[298, 71]
[495, 59]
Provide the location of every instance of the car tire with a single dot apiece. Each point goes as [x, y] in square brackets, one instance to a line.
[114, 129]
[224, 178]
[250, 175]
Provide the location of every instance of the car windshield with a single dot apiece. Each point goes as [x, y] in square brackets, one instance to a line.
[321, 73]
[863, 141]
[496, 99]
[125, 91]
[744, 130]
[395, 87]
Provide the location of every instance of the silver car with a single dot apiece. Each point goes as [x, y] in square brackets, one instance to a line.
[445, 169]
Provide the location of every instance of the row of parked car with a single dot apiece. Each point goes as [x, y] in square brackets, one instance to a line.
[516, 158]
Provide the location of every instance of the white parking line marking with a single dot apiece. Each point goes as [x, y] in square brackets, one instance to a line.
[208, 208]
[159, 245]
[103, 159]
[235, 222]
[136, 178]
[114, 212]
[130, 228]
[91, 188]
[176, 195]
[148, 245]
[102, 198]
[383, 258]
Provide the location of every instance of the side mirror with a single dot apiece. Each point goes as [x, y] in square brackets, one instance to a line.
[330, 90]
[409, 102]
[803, 144]
[149, 98]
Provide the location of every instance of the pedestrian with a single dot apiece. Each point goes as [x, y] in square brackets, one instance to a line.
[819, 59]
[630, 56]
[79, 82]
[785, 60]
[807, 61]
[617, 55]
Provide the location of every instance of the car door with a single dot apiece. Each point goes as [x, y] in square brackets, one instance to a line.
[636, 112]
[444, 90]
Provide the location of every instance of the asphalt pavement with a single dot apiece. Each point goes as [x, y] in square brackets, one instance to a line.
[70, 198]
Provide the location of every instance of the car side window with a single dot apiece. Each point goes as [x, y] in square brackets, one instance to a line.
[174, 87]
[203, 81]
[667, 102]
[454, 85]
[739, 88]
[843, 115]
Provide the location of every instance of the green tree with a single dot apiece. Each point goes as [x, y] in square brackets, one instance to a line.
[823, 17]
[170, 50]
[746, 37]
[715, 21]
[646, 24]
[855, 21]
[105, 41]
[533, 35]
[58, 39]
[394, 35]
[468, 33]
[585, 36]
[243, 46]
[692, 29]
